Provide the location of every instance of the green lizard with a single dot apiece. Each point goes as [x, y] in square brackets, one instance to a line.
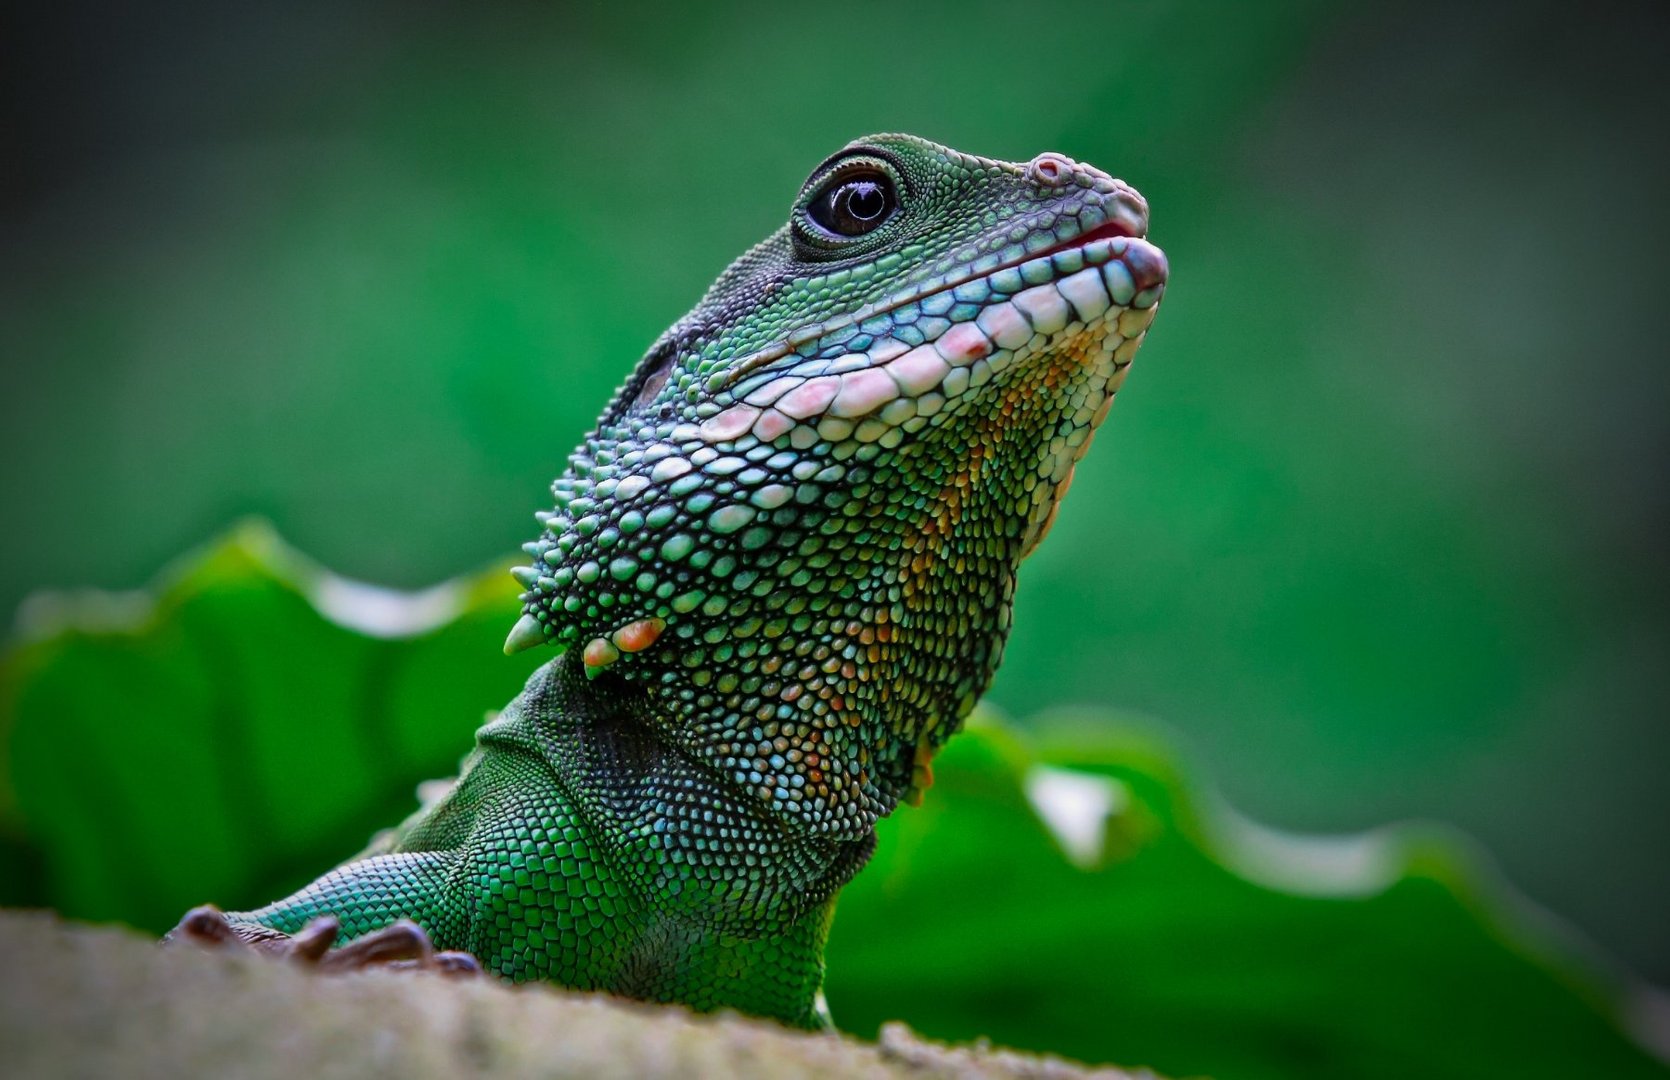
[780, 571]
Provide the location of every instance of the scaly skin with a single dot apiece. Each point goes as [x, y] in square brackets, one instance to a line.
[781, 569]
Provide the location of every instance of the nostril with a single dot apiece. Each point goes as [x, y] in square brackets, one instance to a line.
[1050, 169]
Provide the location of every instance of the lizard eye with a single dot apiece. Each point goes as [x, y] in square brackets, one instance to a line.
[854, 203]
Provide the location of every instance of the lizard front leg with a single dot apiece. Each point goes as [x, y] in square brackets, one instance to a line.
[357, 901]
[391, 906]
[498, 873]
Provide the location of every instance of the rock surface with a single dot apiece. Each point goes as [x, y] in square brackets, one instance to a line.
[85, 1001]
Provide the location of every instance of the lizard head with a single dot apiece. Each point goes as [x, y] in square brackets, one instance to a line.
[797, 525]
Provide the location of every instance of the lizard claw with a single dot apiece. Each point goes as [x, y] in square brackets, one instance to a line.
[312, 943]
[402, 945]
[456, 964]
[205, 925]
[449, 962]
[208, 925]
[399, 940]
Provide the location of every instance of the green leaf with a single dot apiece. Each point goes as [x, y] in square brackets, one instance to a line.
[1148, 925]
[252, 719]
[235, 730]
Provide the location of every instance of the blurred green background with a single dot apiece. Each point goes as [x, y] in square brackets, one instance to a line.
[1378, 529]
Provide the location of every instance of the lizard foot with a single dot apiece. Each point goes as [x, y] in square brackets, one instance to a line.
[402, 945]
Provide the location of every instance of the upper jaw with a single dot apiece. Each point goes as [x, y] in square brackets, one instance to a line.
[1125, 210]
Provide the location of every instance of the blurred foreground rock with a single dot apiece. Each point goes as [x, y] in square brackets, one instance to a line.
[84, 1001]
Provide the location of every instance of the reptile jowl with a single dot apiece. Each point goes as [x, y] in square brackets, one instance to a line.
[780, 574]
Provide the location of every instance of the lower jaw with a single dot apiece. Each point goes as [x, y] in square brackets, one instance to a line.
[1082, 300]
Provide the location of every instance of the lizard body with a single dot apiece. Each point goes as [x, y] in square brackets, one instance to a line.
[781, 571]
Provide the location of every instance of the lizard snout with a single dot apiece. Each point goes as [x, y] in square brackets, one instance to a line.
[1147, 265]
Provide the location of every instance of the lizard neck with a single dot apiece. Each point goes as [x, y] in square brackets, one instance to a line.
[694, 846]
[828, 641]
[885, 604]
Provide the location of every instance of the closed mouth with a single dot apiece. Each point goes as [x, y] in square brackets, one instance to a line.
[1105, 231]
[950, 339]
[1112, 239]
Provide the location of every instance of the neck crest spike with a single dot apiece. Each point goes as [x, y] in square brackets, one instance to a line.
[526, 634]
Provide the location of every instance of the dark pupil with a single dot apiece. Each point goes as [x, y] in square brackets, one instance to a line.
[854, 206]
[864, 200]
